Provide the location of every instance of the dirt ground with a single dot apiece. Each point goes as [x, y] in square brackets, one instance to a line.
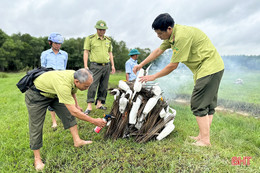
[219, 108]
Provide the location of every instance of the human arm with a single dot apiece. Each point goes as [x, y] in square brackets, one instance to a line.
[156, 53]
[80, 115]
[66, 60]
[76, 102]
[85, 58]
[127, 76]
[165, 71]
[87, 49]
[67, 96]
[43, 60]
[112, 62]
[128, 70]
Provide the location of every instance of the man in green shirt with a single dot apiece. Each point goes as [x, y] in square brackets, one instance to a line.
[99, 47]
[193, 48]
[58, 90]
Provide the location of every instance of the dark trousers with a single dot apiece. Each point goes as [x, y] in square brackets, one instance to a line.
[37, 106]
[100, 80]
[205, 94]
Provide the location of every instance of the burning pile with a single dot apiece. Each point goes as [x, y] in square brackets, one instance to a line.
[139, 111]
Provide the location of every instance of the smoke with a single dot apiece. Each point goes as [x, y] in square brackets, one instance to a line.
[178, 81]
[239, 69]
[238, 87]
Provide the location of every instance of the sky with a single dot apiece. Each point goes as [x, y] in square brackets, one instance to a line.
[232, 25]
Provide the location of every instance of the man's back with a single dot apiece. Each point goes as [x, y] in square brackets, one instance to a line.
[57, 84]
[193, 48]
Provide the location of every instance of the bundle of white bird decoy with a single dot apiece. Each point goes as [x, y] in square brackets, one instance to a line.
[139, 112]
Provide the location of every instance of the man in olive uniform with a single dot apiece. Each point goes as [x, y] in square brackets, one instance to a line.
[99, 47]
[58, 90]
[193, 48]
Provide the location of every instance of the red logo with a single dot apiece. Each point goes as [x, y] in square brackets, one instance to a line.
[238, 161]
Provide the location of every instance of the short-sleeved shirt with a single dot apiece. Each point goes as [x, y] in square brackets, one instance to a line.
[56, 61]
[57, 84]
[99, 49]
[193, 48]
[129, 65]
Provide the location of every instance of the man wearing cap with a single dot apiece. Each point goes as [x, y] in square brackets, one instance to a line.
[56, 59]
[129, 65]
[98, 49]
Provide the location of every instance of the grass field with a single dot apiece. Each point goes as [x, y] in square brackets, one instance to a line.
[244, 97]
[232, 135]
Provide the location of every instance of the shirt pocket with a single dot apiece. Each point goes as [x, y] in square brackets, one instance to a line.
[96, 47]
[60, 62]
[107, 45]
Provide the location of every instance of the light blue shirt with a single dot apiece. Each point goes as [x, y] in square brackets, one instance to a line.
[129, 65]
[56, 61]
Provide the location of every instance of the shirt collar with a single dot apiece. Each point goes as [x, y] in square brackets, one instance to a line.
[99, 37]
[73, 84]
[133, 59]
[171, 41]
[53, 51]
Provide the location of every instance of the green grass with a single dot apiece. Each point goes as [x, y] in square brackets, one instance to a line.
[248, 91]
[231, 135]
[240, 97]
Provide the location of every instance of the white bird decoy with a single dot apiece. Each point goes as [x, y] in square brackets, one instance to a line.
[147, 70]
[162, 113]
[122, 103]
[134, 109]
[116, 93]
[156, 90]
[166, 131]
[123, 85]
[150, 104]
[138, 85]
[129, 94]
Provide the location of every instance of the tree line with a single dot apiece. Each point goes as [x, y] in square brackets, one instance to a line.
[231, 62]
[21, 52]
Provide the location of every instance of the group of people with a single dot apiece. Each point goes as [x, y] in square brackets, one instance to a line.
[56, 90]
[101, 57]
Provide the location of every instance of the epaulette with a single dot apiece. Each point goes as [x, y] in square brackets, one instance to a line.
[92, 36]
[108, 38]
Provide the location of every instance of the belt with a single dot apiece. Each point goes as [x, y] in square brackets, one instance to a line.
[102, 64]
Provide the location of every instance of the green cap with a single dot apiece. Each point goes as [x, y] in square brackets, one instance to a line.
[101, 24]
[134, 52]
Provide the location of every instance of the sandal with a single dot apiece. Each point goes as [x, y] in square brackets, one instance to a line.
[102, 107]
[87, 111]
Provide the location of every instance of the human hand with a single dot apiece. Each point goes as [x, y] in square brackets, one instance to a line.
[100, 122]
[79, 108]
[113, 70]
[147, 78]
[136, 68]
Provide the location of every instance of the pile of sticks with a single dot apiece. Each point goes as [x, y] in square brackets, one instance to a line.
[143, 115]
